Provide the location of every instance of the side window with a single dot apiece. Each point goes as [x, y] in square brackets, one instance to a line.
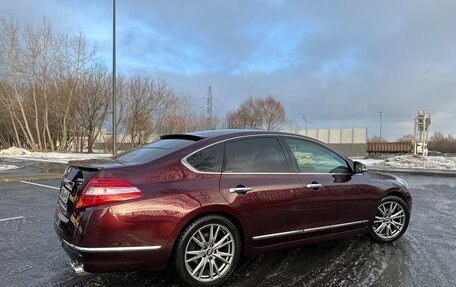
[313, 158]
[209, 159]
[255, 155]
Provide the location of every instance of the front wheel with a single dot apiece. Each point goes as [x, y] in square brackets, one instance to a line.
[391, 220]
[208, 251]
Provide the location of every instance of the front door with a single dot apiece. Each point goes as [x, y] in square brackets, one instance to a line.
[262, 186]
[334, 199]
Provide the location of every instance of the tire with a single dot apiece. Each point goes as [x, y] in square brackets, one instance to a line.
[205, 260]
[391, 220]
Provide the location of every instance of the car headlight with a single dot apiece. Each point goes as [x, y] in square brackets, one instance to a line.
[403, 182]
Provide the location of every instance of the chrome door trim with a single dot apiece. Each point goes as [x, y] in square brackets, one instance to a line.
[279, 234]
[321, 228]
[308, 230]
[110, 249]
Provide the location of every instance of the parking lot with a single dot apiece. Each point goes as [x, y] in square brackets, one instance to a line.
[30, 253]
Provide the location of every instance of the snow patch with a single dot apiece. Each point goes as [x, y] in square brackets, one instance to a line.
[23, 154]
[414, 161]
[15, 151]
[7, 166]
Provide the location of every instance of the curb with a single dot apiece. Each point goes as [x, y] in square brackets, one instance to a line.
[30, 177]
[427, 172]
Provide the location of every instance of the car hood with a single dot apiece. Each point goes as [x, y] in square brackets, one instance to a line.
[380, 175]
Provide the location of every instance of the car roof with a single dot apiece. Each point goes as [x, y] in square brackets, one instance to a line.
[199, 135]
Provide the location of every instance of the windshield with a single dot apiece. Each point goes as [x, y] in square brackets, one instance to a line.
[152, 151]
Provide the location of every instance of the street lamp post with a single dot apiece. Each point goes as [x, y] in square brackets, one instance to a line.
[114, 133]
[381, 123]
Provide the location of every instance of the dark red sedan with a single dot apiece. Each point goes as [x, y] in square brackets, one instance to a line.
[197, 202]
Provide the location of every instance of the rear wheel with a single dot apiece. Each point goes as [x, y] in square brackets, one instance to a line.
[391, 220]
[208, 251]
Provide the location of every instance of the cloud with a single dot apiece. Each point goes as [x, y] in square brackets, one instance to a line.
[339, 63]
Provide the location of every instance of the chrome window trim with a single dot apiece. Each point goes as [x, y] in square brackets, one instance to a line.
[191, 168]
[110, 249]
[307, 230]
[187, 165]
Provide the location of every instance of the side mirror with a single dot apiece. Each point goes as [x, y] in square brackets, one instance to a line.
[359, 167]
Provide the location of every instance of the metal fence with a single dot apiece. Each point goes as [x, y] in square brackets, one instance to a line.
[390, 147]
[350, 141]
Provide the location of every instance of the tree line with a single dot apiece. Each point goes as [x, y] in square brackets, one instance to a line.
[55, 95]
[440, 142]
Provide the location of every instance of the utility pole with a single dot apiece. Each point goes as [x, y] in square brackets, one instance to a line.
[305, 122]
[209, 104]
[381, 122]
[209, 108]
[114, 133]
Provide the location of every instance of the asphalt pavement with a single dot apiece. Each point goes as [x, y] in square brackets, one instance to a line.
[31, 255]
[30, 170]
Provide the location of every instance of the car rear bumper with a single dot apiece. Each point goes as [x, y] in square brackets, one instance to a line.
[104, 255]
[110, 259]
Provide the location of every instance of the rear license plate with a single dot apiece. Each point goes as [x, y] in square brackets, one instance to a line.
[64, 194]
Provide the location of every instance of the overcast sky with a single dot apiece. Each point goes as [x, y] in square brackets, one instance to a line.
[338, 63]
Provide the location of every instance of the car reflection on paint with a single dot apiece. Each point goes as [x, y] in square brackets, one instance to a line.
[198, 202]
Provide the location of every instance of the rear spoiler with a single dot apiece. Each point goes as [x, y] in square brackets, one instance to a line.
[95, 164]
[182, 137]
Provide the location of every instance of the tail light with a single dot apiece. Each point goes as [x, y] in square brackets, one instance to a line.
[102, 190]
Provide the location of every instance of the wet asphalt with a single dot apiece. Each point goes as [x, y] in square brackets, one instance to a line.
[30, 252]
[30, 167]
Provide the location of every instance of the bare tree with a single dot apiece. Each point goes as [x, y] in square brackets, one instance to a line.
[442, 143]
[273, 113]
[55, 95]
[148, 103]
[93, 104]
[77, 57]
[406, 138]
[40, 74]
[257, 113]
[13, 64]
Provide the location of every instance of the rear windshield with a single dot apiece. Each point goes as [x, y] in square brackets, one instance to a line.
[152, 151]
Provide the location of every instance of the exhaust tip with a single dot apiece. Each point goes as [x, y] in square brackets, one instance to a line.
[78, 267]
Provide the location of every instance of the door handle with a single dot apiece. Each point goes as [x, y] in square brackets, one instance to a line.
[314, 185]
[240, 189]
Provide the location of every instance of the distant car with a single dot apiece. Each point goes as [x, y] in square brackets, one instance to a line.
[199, 201]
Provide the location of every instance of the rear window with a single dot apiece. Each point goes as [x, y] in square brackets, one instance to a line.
[152, 151]
[209, 159]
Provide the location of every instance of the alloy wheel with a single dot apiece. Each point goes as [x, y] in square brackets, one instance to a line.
[389, 220]
[209, 252]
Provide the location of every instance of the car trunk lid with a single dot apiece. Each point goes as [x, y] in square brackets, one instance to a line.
[72, 184]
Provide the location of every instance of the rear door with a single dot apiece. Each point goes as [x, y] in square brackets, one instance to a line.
[334, 199]
[259, 182]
